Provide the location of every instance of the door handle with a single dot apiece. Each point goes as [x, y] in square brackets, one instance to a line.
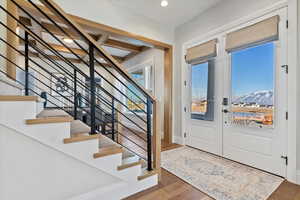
[225, 111]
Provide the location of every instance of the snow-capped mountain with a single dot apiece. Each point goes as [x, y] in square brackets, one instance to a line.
[259, 97]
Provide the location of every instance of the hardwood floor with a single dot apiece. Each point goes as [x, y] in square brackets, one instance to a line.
[170, 187]
[286, 191]
[173, 188]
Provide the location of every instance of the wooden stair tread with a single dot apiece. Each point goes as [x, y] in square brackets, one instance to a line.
[81, 138]
[147, 174]
[129, 164]
[49, 120]
[109, 150]
[18, 98]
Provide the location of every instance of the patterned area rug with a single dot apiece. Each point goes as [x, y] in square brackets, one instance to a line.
[219, 178]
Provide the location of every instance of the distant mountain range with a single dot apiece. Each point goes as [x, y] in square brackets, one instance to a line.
[259, 97]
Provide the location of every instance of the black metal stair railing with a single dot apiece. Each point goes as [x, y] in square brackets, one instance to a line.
[78, 90]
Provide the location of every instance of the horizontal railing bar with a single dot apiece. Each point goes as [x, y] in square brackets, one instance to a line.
[55, 52]
[41, 41]
[91, 40]
[81, 49]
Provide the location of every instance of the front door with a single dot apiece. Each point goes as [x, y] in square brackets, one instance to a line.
[255, 105]
[242, 115]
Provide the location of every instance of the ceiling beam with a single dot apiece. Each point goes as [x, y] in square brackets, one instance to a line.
[79, 52]
[72, 60]
[123, 45]
[103, 39]
[133, 54]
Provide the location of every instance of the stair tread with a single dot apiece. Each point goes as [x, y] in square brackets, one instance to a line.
[18, 98]
[130, 162]
[48, 120]
[147, 174]
[81, 138]
[109, 150]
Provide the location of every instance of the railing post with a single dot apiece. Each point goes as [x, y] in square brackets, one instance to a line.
[26, 64]
[93, 89]
[75, 95]
[156, 139]
[149, 135]
[113, 119]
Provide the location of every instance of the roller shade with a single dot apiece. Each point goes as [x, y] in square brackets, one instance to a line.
[202, 52]
[263, 31]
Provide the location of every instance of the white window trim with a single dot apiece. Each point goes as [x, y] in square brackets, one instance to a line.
[147, 66]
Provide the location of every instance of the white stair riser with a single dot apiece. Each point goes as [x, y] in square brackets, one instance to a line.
[51, 133]
[39, 107]
[6, 89]
[82, 150]
[107, 163]
[130, 173]
[14, 113]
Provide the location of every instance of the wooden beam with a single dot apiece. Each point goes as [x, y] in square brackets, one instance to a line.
[156, 138]
[102, 40]
[168, 104]
[123, 45]
[72, 60]
[91, 25]
[133, 54]
[11, 39]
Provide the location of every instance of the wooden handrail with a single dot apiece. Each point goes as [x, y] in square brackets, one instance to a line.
[59, 13]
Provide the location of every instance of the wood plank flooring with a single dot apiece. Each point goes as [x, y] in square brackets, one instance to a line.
[173, 188]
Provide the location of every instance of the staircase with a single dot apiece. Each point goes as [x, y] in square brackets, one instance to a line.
[77, 122]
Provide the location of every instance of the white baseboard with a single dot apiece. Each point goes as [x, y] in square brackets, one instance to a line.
[298, 177]
[178, 140]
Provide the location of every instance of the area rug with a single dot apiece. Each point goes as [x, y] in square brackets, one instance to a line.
[220, 178]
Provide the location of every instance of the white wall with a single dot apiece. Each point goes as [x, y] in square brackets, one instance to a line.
[105, 12]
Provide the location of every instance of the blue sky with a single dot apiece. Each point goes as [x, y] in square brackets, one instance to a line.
[252, 70]
[200, 80]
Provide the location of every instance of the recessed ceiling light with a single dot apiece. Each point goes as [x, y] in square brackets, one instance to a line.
[68, 40]
[164, 3]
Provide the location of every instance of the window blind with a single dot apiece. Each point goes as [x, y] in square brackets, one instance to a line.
[264, 31]
[202, 52]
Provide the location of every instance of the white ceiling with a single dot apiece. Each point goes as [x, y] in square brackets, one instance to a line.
[176, 13]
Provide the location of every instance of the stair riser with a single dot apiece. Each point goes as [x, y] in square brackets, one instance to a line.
[14, 113]
[130, 173]
[82, 150]
[52, 133]
[39, 107]
[6, 89]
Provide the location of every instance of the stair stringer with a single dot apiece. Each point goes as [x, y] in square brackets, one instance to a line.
[31, 170]
[52, 135]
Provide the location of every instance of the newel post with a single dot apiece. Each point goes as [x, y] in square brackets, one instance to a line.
[156, 138]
